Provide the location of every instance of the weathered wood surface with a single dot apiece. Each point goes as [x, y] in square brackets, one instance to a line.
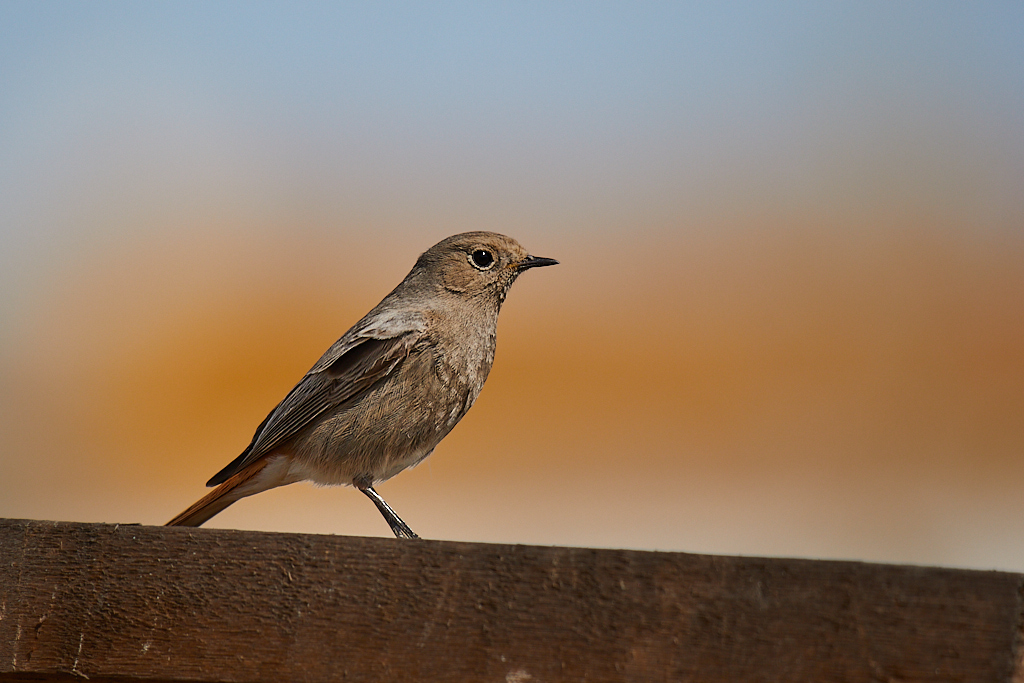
[139, 603]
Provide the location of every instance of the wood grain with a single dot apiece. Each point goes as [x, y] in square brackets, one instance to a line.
[133, 603]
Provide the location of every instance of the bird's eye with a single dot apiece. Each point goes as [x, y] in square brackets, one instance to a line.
[482, 259]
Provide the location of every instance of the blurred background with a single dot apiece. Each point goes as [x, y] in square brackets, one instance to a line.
[789, 318]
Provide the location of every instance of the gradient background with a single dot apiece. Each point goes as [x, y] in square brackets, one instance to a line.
[789, 318]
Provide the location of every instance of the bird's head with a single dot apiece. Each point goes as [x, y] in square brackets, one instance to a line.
[475, 264]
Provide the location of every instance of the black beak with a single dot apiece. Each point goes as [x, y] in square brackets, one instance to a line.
[535, 262]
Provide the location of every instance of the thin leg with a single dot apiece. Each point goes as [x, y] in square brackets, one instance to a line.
[400, 528]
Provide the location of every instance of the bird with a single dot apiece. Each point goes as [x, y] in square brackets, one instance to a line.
[384, 395]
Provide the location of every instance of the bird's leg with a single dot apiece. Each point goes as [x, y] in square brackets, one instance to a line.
[400, 528]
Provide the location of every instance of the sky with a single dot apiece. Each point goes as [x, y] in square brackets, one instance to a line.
[788, 319]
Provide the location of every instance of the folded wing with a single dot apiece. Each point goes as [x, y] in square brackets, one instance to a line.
[366, 355]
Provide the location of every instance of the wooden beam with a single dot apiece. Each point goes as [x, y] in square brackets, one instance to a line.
[133, 603]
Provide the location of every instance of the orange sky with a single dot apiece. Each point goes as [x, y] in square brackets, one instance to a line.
[785, 393]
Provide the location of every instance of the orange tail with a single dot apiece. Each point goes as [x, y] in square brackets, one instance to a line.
[235, 488]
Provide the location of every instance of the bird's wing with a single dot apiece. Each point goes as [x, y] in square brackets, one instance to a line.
[367, 353]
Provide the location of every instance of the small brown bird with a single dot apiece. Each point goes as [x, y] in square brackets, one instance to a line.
[386, 393]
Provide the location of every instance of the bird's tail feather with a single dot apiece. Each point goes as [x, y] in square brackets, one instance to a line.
[217, 500]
